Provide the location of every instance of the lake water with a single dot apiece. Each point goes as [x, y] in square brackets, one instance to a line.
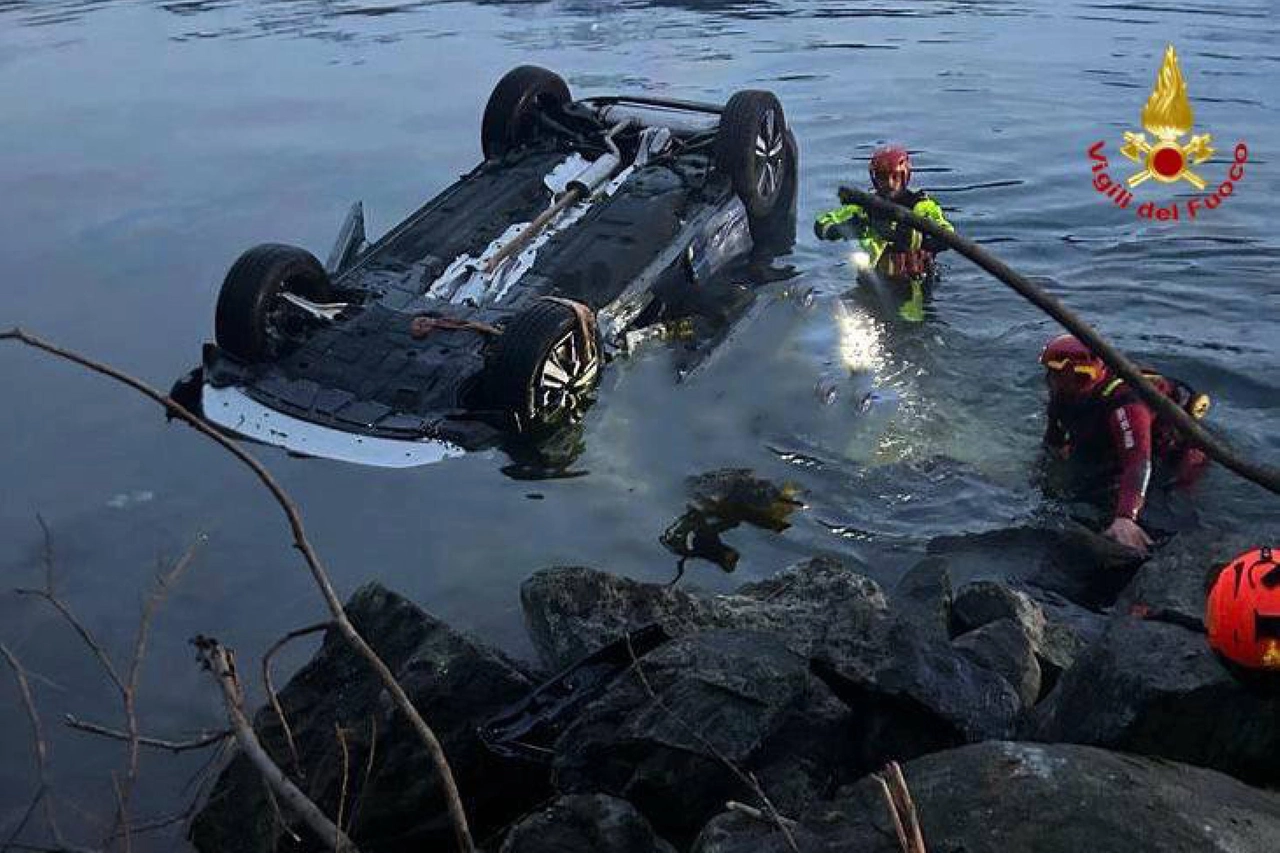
[145, 144]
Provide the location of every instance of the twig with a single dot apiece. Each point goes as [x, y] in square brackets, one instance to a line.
[129, 696]
[747, 779]
[50, 596]
[368, 772]
[41, 752]
[122, 811]
[902, 809]
[271, 692]
[753, 812]
[346, 768]
[218, 660]
[349, 633]
[172, 746]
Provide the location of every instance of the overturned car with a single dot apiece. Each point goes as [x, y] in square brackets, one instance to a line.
[489, 310]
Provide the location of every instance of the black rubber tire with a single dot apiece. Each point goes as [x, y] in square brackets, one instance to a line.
[251, 290]
[516, 363]
[507, 122]
[759, 176]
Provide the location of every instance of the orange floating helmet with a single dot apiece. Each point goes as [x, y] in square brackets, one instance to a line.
[1242, 614]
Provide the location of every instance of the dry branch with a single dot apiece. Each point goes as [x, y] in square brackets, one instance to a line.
[219, 661]
[782, 823]
[271, 691]
[902, 809]
[201, 742]
[318, 574]
[41, 752]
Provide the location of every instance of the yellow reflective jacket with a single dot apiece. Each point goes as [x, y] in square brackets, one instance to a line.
[898, 251]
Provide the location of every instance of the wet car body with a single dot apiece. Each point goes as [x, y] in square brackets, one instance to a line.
[490, 309]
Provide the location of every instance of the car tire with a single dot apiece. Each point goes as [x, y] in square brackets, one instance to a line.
[542, 370]
[508, 117]
[248, 320]
[751, 147]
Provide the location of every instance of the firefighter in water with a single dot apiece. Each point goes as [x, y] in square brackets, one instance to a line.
[1094, 417]
[898, 253]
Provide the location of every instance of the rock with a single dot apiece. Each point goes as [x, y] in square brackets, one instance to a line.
[1174, 583]
[923, 597]
[1157, 689]
[453, 681]
[571, 612]
[983, 602]
[1002, 796]
[1064, 558]
[585, 823]
[911, 694]
[661, 737]
[1004, 648]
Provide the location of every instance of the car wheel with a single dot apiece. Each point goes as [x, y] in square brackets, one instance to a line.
[509, 116]
[253, 322]
[751, 147]
[544, 369]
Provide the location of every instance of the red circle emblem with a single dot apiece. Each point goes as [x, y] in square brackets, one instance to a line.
[1167, 162]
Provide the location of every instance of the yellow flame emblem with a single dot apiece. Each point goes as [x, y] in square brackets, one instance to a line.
[1167, 116]
[1271, 657]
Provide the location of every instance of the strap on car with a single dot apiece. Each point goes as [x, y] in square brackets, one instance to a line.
[424, 324]
[586, 321]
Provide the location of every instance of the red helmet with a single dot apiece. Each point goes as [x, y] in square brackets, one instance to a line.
[1072, 369]
[1242, 614]
[888, 161]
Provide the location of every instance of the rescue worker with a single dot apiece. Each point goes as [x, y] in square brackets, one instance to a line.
[1094, 417]
[898, 253]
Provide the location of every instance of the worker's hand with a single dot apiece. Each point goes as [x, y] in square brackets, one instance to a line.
[1128, 533]
[846, 196]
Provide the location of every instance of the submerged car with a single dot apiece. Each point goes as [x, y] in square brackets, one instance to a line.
[489, 310]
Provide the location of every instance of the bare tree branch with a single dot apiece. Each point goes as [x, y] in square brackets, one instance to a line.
[218, 660]
[318, 574]
[201, 742]
[129, 697]
[782, 823]
[271, 692]
[41, 753]
[346, 768]
[50, 596]
[902, 809]
[368, 771]
[122, 828]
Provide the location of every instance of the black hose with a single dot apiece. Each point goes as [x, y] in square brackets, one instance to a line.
[1263, 475]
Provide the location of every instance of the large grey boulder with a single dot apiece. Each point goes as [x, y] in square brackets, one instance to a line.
[668, 734]
[1156, 688]
[1002, 796]
[1004, 647]
[571, 612]
[452, 680]
[585, 823]
[911, 693]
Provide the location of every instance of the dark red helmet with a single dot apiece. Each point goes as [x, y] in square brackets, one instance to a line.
[886, 162]
[1242, 615]
[1072, 368]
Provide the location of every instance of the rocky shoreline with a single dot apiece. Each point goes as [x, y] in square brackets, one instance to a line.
[1071, 706]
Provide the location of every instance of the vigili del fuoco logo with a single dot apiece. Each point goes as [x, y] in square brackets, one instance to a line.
[1165, 158]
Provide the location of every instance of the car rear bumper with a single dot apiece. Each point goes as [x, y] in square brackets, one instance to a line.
[237, 412]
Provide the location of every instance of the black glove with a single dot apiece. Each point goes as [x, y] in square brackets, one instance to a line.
[902, 237]
[846, 196]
